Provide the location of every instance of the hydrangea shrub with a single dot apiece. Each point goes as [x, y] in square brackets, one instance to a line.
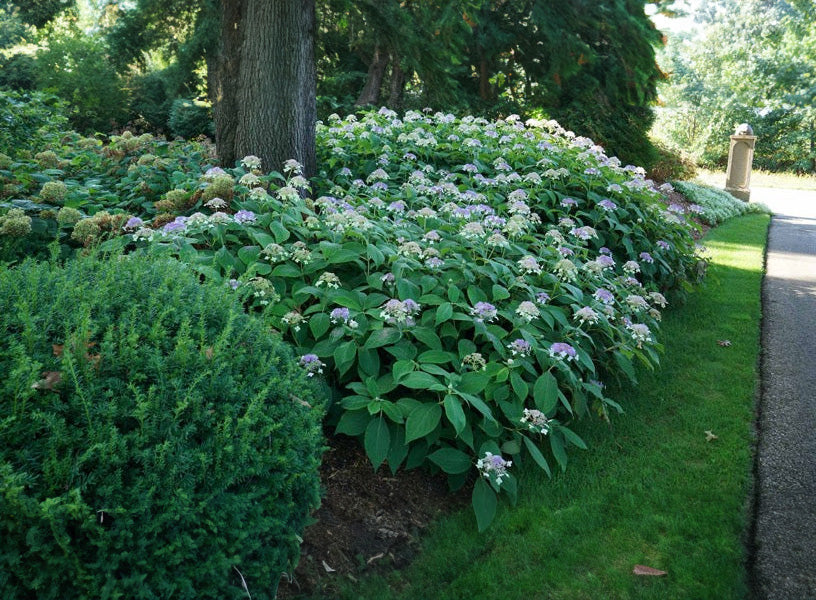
[465, 286]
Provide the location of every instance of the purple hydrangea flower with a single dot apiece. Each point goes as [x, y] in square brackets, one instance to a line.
[244, 216]
[484, 311]
[340, 314]
[646, 257]
[567, 202]
[542, 297]
[563, 351]
[174, 226]
[605, 261]
[234, 283]
[604, 250]
[520, 347]
[607, 205]
[133, 223]
[312, 364]
[663, 245]
[604, 296]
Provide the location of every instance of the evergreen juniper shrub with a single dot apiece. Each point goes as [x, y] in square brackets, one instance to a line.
[155, 440]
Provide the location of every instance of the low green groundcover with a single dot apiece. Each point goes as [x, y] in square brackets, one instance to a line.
[155, 440]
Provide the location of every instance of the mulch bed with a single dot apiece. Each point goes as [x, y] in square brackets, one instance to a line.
[367, 521]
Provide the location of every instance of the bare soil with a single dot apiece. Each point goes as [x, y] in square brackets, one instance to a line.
[367, 521]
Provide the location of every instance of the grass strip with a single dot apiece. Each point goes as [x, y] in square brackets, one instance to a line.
[653, 489]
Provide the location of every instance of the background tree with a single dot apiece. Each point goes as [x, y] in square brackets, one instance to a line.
[755, 62]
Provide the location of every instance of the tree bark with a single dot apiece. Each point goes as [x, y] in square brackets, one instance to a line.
[397, 85]
[264, 87]
[485, 89]
[376, 72]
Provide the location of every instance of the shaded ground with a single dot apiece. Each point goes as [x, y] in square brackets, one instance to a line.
[367, 521]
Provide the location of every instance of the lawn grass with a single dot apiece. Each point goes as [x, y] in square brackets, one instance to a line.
[759, 178]
[651, 489]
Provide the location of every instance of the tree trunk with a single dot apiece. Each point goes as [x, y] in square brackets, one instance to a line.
[263, 91]
[485, 89]
[397, 85]
[376, 73]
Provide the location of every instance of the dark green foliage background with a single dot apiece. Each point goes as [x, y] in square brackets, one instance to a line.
[181, 456]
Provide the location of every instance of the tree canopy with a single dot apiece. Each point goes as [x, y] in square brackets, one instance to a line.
[755, 62]
[588, 63]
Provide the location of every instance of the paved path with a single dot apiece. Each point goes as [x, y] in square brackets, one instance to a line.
[785, 529]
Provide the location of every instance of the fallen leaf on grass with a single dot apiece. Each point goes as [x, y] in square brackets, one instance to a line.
[375, 557]
[724, 343]
[328, 568]
[710, 436]
[644, 570]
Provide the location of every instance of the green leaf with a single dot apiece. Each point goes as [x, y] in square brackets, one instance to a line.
[473, 382]
[422, 421]
[398, 451]
[626, 366]
[475, 295]
[484, 503]
[408, 289]
[557, 446]
[347, 298]
[355, 402]
[573, 437]
[519, 385]
[319, 324]
[427, 337]
[450, 460]
[455, 413]
[419, 380]
[382, 337]
[481, 406]
[353, 423]
[279, 231]
[454, 293]
[225, 259]
[401, 368]
[538, 457]
[438, 357]
[377, 441]
[375, 254]
[545, 392]
[500, 292]
[369, 361]
[443, 313]
[286, 270]
[264, 239]
[249, 254]
[344, 356]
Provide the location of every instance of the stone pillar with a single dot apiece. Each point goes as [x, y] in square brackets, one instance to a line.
[740, 158]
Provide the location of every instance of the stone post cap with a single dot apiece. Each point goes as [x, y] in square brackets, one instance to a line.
[744, 129]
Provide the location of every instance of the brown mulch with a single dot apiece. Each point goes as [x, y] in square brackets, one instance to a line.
[367, 521]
